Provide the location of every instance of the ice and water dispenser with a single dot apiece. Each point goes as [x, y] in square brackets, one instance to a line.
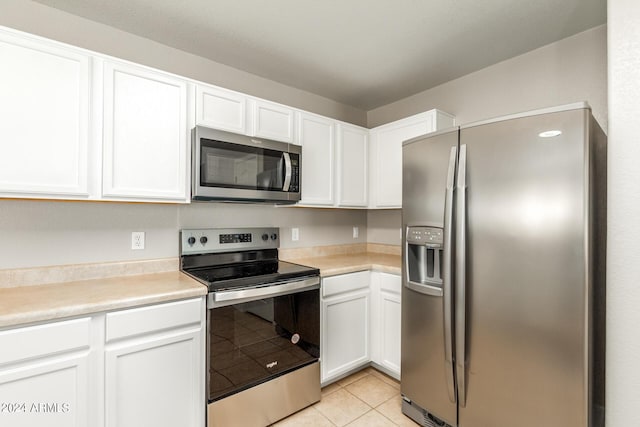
[424, 255]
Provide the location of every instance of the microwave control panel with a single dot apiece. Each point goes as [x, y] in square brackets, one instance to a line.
[294, 186]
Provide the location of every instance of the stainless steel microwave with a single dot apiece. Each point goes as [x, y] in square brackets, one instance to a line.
[232, 167]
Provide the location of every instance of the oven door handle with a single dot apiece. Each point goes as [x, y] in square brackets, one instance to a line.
[221, 299]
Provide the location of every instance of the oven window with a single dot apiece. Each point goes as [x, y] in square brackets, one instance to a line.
[252, 342]
[228, 165]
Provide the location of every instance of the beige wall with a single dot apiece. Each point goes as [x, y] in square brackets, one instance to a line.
[573, 69]
[52, 23]
[623, 230]
[40, 233]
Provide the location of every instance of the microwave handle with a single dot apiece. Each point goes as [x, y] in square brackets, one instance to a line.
[287, 171]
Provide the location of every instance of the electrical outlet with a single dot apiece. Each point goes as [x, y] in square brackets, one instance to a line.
[356, 232]
[137, 240]
[295, 234]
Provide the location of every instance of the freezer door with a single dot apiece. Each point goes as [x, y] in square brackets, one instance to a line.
[526, 316]
[427, 376]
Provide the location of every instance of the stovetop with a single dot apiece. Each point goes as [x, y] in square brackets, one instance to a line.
[236, 258]
[250, 274]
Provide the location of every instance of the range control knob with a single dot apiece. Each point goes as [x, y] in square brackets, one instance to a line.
[274, 236]
[265, 237]
[203, 240]
[191, 240]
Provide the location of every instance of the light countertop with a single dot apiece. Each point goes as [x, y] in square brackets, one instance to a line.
[331, 265]
[50, 301]
[28, 304]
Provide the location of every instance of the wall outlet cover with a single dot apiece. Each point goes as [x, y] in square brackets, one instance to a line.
[137, 240]
[295, 234]
[356, 232]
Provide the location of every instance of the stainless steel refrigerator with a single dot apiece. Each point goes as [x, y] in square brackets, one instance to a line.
[503, 272]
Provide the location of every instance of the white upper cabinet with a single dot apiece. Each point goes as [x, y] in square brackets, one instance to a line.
[272, 121]
[316, 135]
[44, 130]
[221, 109]
[386, 154]
[81, 125]
[235, 112]
[352, 167]
[145, 134]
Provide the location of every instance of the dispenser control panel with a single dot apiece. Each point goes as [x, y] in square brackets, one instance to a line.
[430, 236]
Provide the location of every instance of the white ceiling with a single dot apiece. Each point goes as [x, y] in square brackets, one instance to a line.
[363, 53]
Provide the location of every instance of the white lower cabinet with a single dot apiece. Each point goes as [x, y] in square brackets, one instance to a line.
[345, 324]
[45, 375]
[136, 367]
[385, 322]
[154, 366]
[360, 324]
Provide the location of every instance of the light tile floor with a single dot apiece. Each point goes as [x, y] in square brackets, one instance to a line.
[367, 398]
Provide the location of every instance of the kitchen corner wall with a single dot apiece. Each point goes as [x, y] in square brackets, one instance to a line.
[570, 70]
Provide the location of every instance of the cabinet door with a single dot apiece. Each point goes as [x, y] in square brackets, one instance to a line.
[145, 134]
[389, 322]
[154, 366]
[221, 109]
[317, 140]
[345, 332]
[352, 166]
[44, 130]
[155, 381]
[344, 322]
[45, 375]
[272, 121]
[386, 159]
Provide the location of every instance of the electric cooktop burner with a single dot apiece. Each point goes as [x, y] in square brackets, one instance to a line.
[226, 259]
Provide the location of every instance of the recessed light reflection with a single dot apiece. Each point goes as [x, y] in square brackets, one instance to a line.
[549, 133]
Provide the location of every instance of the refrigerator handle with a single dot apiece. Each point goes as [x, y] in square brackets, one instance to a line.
[447, 275]
[461, 222]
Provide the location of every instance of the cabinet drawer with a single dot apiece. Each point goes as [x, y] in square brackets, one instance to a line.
[33, 341]
[344, 283]
[390, 283]
[144, 320]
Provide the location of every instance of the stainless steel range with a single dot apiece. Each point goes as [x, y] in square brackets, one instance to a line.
[263, 325]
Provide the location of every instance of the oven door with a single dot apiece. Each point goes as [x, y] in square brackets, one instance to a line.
[255, 335]
[228, 166]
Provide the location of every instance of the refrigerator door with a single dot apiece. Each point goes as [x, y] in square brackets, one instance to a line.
[525, 324]
[427, 354]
